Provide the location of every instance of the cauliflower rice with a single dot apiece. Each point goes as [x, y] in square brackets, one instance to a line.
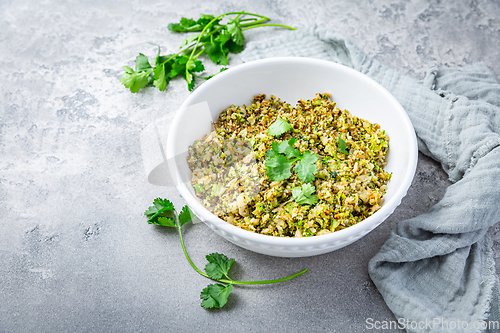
[229, 170]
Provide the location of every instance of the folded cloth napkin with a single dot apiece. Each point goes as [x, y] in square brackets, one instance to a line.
[436, 271]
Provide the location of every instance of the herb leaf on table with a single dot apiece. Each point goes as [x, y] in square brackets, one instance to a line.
[218, 265]
[215, 295]
[133, 80]
[163, 213]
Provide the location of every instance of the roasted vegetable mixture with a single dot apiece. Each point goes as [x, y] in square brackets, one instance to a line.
[290, 171]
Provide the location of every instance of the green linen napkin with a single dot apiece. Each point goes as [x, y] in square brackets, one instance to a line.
[436, 271]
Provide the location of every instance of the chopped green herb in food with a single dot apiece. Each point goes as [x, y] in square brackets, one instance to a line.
[286, 171]
[343, 146]
[214, 295]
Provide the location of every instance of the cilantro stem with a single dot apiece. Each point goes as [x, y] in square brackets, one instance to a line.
[269, 281]
[269, 25]
[204, 77]
[263, 19]
[245, 13]
[203, 31]
[214, 295]
[186, 254]
[252, 20]
[199, 53]
[230, 281]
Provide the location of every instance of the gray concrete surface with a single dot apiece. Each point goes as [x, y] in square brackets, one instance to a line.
[76, 254]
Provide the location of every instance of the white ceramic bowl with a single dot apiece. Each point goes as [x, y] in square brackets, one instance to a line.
[292, 79]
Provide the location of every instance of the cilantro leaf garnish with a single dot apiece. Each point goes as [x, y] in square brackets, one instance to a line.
[133, 80]
[161, 78]
[190, 25]
[218, 265]
[279, 127]
[164, 221]
[158, 205]
[278, 167]
[216, 51]
[342, 146]
[185, 216]
[142, 63]
[186, 66]
[281, 157]
[234, 29]
[210, 37]
[303, 195]
[286, 147]
[198, 188]
[163, 213]
[306, 167]
[215, 295]
[184, 25]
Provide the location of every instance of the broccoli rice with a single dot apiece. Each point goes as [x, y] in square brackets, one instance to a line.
[244, 175]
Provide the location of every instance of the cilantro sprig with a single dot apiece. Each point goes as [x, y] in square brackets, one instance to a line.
[212, 38]
[214, 295]
[279, 162]
[281, 156]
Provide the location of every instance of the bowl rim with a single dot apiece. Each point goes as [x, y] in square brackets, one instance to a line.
[362, 227]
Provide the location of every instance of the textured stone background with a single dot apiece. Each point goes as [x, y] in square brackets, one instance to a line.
[76, 254]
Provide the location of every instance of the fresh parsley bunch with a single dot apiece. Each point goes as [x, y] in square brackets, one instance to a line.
[214, 295]
[211, 37]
